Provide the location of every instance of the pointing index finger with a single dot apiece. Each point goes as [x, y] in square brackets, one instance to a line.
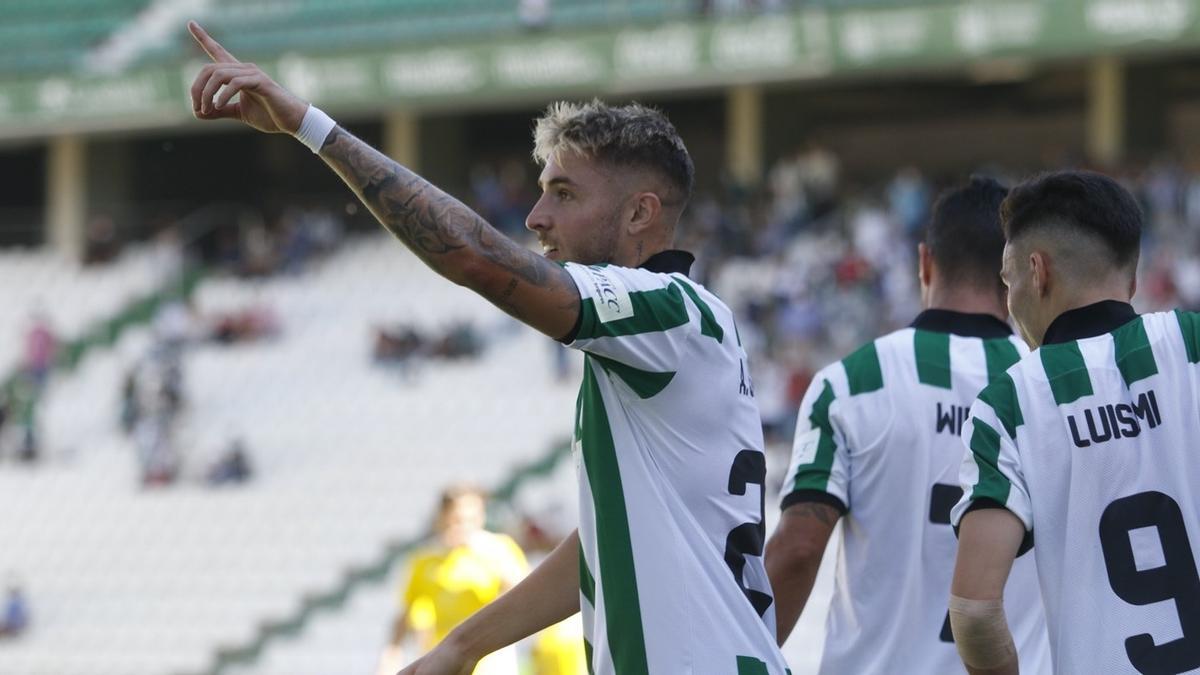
[210, 46]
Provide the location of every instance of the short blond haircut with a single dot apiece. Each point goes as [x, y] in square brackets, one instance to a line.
[631, 135]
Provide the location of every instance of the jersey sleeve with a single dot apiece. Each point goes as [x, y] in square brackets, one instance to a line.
[633, 316]
[820, 466]
[991, 473]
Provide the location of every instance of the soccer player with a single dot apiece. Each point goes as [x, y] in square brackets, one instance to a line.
[666, 565]
[877, 442]
[1084, 450]
[463, 569]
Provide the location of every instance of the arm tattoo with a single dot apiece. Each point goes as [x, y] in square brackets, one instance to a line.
[822, 513]
[432, 223]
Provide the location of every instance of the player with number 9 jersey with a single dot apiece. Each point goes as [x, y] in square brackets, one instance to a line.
[1085, 450]
[1088, 441]
[671, 469]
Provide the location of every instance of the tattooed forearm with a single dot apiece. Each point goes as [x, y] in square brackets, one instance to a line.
[822, 513]
[438, 227]
[427, 220]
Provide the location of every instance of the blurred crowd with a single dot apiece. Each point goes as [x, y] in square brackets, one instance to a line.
[814, 262]
[153, 395]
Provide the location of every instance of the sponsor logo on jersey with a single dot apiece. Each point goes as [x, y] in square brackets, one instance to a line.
[804, 448]
[952, 418]
[1112, 421]
[610, 295]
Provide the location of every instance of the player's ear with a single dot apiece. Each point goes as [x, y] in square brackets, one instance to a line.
[924, 264]
[1039, 273]
[643, 213]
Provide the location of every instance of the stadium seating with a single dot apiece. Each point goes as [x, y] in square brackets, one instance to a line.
[263, 27]
[126, 581]
[40, 36]
[71, 297]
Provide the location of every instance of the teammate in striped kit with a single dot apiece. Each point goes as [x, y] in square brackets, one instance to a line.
[1084, 450]
[878, 442]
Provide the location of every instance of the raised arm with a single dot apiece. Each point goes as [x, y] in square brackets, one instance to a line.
[449, 237]
[454, 240]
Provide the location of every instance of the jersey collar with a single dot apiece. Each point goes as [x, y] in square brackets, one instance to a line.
[669, 262]
[1089, 321]
[961, 323]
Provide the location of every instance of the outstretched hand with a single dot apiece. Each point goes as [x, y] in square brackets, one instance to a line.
[264, 105]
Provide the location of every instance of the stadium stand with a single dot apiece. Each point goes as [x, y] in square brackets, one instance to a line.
[74, 299]
[53, 35]
[296, 570]
[270, 26]
[103, 562]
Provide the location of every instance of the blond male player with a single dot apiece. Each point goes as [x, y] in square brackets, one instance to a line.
[666, 565]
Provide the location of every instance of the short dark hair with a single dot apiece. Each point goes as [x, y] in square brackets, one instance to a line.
[628, 135]
[964, 235]
[1085, 201]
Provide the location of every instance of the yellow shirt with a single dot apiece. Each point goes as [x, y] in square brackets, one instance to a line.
[558, 650]
[447, 585]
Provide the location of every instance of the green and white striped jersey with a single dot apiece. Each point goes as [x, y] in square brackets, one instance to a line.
[671, 472]
[1091, 442]
[878, 438]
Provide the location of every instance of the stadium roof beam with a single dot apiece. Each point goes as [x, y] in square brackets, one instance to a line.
[744, 133]
[1106, 111]
[66, 194]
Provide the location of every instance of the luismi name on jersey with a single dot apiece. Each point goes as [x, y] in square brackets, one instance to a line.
[1115, 420]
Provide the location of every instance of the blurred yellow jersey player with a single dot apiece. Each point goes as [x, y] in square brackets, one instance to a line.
[464, 569]
[558, 650]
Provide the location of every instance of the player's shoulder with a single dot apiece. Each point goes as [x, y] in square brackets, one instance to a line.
[1132, 348]
[602, 277]
[874, 364]
[1174, 330]
[857, 373]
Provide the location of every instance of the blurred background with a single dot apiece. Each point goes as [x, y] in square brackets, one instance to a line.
[229, 404]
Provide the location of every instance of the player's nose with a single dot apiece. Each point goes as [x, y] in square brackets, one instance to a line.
[537, 220]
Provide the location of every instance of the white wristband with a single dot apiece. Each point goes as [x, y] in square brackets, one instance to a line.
[315, 128]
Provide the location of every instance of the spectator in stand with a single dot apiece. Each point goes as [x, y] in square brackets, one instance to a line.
[820, 171]
[908, 200]
[463, 569]
[22, 410]
[786, 182]
[101, 245]
[40, 349]
[534, 14]
[16, 613]
[233, 467]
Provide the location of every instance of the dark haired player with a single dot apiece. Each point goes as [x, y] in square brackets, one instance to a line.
[1085, 450]
[878, 442]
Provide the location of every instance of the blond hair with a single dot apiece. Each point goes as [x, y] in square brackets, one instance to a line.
[631, 135]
